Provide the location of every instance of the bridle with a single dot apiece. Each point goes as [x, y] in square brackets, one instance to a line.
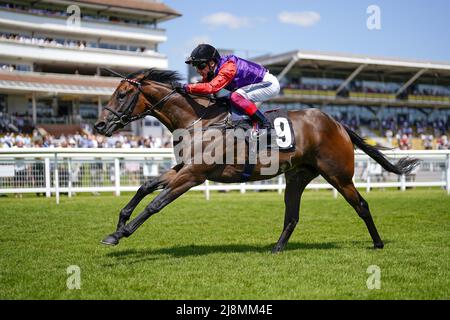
[125, 117]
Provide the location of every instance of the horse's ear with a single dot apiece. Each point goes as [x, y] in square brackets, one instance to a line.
[114, 73]
[146, 74]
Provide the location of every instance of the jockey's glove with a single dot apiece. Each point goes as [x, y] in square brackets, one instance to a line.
[179, 87]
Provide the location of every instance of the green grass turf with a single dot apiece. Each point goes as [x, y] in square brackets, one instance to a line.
[220, 249]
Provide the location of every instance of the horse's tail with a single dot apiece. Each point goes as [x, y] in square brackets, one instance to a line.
[403, 166]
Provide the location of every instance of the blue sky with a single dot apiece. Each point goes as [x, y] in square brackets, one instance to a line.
[417, 29]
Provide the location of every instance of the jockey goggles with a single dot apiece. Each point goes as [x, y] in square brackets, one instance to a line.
[200, 65]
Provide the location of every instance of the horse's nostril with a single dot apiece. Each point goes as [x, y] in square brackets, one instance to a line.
[99, 126]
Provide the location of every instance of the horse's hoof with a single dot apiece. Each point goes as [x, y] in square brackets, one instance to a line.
[277, 249]
[378, 245]
[110, 240]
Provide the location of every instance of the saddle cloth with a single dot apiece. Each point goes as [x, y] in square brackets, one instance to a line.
[282, 135]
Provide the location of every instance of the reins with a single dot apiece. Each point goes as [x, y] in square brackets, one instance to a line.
[125, 117]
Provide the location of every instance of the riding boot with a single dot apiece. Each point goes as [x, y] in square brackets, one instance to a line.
[262, 120]
[251, 110]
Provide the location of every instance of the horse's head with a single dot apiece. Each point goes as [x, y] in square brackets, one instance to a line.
[138, 95]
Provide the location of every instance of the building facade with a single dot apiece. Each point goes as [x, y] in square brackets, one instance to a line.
[52, 52]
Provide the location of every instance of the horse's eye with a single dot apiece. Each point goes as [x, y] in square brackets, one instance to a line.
[121, 96]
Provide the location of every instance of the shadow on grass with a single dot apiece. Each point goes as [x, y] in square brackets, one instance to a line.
[133, 255]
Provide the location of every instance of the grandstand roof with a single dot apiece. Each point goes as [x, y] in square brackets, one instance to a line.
[347, 63]
[338, 58]
[143, 7]
[55, 83]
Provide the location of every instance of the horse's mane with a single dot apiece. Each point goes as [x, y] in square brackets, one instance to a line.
[158, 75]
[162, 76]
[167, 77]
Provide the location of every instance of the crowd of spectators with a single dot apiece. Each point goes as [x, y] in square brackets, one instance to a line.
[415, 128]
[8, 67]
[351, 122]
[311, 86]
[401, 133]
[435, 91]
[84, 140]
[364, 87]
[380, 89]
[45, 41]
[433, 137]
[397, 131]
[16, 123]
[333, 85]
[428, 132]
[30, 175]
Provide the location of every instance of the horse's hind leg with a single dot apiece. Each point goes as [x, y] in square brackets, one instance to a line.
[296, 182]
[346, 187]
[147, 188]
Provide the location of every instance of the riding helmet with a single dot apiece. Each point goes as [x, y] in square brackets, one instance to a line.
[203, 53]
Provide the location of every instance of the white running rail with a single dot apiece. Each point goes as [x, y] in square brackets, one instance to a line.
[56, 171]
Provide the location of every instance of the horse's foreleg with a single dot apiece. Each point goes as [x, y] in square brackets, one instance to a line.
[147, 188]
[181, 183]
[296, 182]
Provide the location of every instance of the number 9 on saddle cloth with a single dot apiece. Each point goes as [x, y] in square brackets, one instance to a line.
[282, 136]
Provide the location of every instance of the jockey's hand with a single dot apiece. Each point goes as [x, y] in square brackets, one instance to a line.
[179, 87]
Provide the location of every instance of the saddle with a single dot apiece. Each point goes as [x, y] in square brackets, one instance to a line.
[281, 136]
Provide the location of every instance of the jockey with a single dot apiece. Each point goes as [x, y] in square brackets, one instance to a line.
[248, 82]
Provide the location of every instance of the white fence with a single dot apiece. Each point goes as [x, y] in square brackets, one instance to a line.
[70, 171]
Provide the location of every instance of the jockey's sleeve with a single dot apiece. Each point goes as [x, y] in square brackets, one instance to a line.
[224, 77]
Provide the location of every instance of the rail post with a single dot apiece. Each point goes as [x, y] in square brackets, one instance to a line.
[368, 176]
[448, 174]
[207, 191]
[280, 184]
[403, 182]
[48, 185]
[56, 178]
[242, 188]
[69, 168]
[117, 176]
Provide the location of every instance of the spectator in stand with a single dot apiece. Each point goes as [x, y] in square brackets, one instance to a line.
[92, 141]
[37, 143]
[147, 143]
[405, 143]
[442, 143]
[389, 136]
[72, 143]
[47, 143]
[126, 144]
[101, 143]
[407, 129]
[427, 141]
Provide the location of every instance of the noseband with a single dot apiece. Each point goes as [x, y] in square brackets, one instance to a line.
[125, 117]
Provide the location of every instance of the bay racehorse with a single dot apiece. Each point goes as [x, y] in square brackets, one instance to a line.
[323, 147]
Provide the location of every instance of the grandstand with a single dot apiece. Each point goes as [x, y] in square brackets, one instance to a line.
[50, 72]
[380, 96]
